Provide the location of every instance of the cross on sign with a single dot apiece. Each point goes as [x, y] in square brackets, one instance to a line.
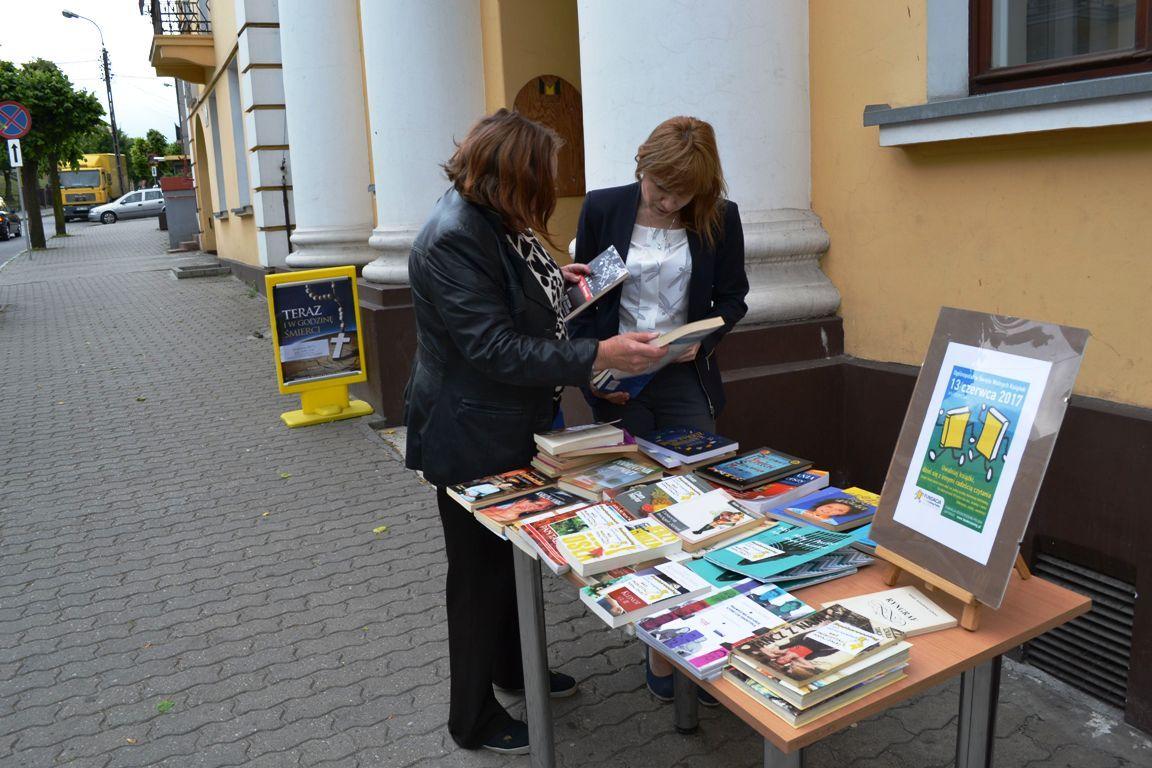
[339, 340]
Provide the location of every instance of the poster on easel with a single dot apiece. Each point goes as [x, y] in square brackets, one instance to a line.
[975, 444]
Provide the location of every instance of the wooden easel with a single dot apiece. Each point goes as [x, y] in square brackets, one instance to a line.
[971, 618]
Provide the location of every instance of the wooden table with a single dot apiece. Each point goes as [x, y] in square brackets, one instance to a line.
[1031, 607]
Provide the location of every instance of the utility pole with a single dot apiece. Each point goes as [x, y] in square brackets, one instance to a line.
[108, 86]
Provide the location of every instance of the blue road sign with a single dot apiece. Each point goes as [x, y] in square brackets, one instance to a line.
[15, 122]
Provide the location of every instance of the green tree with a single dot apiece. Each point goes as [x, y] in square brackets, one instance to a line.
[99, 140]
[61, 117]
[138, 157]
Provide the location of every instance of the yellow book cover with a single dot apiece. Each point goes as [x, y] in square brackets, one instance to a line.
[955, 422]
[988, 444]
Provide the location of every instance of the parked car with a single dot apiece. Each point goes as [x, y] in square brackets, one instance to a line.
[134, 205]
[10, 225]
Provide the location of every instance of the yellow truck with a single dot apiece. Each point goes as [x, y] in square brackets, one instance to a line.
[91, 184]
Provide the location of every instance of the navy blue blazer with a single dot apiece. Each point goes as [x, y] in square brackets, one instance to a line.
[717, 287]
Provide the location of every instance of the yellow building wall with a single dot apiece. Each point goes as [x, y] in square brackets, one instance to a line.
[523, 39]
[1051, 226]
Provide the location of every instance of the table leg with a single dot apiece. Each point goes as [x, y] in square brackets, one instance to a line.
[976, 731]
[685, 702]
[534, 648]
[774, 758]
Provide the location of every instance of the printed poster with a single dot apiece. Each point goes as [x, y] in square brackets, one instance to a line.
[316, 330]
[968, 452]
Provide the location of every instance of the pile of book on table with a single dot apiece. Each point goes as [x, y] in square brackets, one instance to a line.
[701, 549]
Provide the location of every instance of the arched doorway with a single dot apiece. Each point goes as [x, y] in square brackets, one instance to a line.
[203, 190]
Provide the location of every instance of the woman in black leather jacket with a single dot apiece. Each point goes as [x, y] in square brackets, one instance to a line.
[491, 355]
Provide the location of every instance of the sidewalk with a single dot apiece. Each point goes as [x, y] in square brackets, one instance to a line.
[185, 582]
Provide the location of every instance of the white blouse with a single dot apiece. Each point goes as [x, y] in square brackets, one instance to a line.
[655, 295]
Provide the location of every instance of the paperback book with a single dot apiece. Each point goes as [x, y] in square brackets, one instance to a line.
[485, 491]
[767, 553]
[637, 594]
[560, 442]
[817, 645]
[553, 467]
[753, 469]
[903, 608]
[676, 341]
[702, 520]
[780, 492]
[643, 500]
[842, 562]
[831, 509]
[604, 547]
[797, 717]
[607, 271]
[700, 633]
[538, 533]
[804, 696]
[594, 482]
[498, 517]
[674, 446]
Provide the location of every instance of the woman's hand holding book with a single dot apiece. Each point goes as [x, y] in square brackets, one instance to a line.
[629, 352]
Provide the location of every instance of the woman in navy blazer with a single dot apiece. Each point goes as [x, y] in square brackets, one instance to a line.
[678, 200]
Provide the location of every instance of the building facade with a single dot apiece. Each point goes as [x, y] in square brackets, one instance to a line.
[888, 159]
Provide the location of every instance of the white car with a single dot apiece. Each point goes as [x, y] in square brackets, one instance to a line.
[134, 205]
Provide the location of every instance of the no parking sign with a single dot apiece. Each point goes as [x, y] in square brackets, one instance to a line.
[15, 120]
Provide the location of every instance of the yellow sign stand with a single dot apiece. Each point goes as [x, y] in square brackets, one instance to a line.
[311, 339]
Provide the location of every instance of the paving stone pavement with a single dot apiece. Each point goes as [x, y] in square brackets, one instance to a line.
[185, 582]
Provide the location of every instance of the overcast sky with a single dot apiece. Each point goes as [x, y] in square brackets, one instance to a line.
[35, 28]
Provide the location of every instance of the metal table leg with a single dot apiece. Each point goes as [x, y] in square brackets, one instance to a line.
[685, 702]
[534, 647]
[976, 732]
[774, 758]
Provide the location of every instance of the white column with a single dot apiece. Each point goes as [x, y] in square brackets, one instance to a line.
[324, 100]
[742, 65]
[424, 69]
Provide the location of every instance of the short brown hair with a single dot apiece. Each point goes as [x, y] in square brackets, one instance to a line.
[681, 153]
[507, 163]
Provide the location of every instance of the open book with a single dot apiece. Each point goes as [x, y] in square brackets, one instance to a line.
[676, 341]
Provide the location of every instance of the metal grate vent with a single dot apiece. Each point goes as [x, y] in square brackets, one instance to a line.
[1092, 652]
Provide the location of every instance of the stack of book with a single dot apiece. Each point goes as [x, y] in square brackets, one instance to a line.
[766, 554]
[597, 483]
[486, 491]
[565, 451]
[779, 493]
[817, 664]
[753, 469]
[832, 509]
[685, 447]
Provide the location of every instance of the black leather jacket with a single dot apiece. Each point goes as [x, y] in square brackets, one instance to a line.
[487, 360]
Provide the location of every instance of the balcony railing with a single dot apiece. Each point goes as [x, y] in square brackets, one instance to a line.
[180, 17]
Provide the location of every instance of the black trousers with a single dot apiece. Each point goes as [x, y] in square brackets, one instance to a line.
[483, 628]
[674, 398]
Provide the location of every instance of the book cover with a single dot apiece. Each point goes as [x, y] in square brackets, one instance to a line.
[705, 518]
[538, 532]
[719, 578]
[497, 516]
[903, 608]
[780, 492]
[618, 473]
[754, 468]
[506, 485]
[676, 341]
[701, 637]
[766, 553]
[687, 443]
[636, 594]
[560, 441]
[608, 271]
[832, 509]
[604, 547]
[643, 500]
[816, 645]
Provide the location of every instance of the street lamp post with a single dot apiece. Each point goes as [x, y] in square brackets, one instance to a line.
[108, 85]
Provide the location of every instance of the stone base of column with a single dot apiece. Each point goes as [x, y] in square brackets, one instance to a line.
[391, 266]
[389, 336]
[314, 248]
[782, 256]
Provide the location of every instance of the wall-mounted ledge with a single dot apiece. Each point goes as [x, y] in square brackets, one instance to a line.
[220, 215]
[244, 210]
[1117, 100]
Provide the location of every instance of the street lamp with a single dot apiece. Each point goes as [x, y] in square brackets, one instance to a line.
[108, 85]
